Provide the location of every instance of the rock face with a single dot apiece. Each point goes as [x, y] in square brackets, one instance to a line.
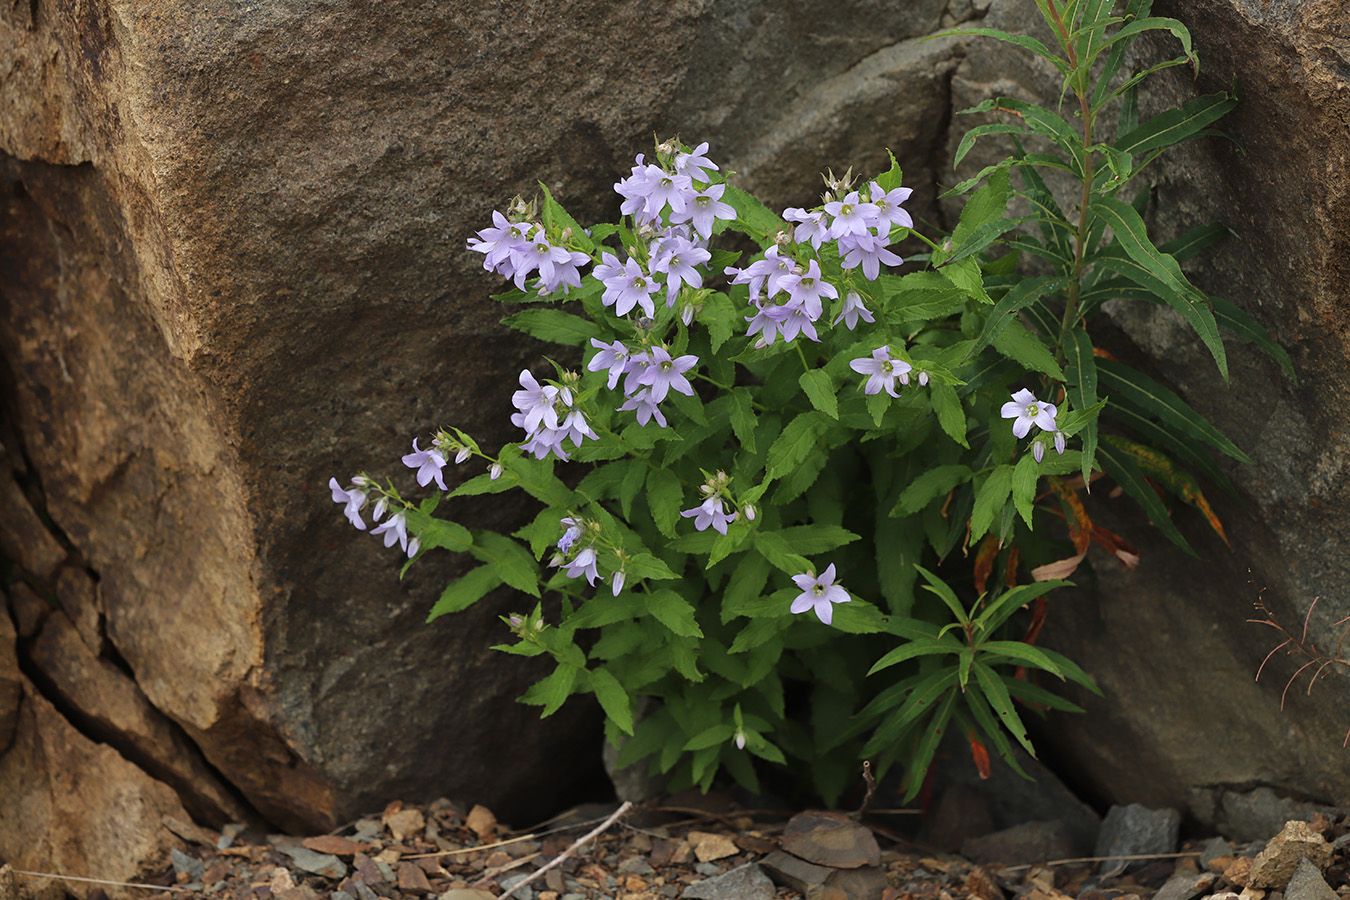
[232, 265]
[232, 252]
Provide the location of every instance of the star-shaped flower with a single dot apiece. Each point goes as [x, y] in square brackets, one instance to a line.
[819, 594]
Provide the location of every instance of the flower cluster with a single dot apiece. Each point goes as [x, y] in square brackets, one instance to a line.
[517, 246]
[577, 553]
[549, 415]
[353, 498]
[883, 370]
[1025, 410]
[860, 224]
[648, 376]
[712, 511]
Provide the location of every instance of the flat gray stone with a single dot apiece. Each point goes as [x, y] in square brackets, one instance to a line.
[324, 864]
[747, 882]
[1185, 887]
[184, 863]
[1307, 883]
[1135, 830]
[797, 874]
[1029, 842]
[1213, 850]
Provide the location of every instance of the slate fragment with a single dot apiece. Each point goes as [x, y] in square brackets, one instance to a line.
[324, 864]
[747, 882]
[1307, 883]
[830, 839]
[1275, 865]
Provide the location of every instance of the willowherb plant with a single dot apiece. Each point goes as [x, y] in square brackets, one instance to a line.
[776, 448]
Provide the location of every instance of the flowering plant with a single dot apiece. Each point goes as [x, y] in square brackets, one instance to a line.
[778, 444]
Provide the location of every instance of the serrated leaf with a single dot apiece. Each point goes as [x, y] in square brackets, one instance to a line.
[674, 612]
[820, 391]
[1011, 600]
[1177, 480]
[551, 691]
[951, 414]
[743, 418]
[554, 325]
[1020, 296]
[798, 439]
[664, 494]
[644, 565]
[511, 562]
[1026, 42]
[989, 500]
[809, 540]
[776, 550]
[1017, 343]
[929, 485]
[752, 216]
[746, 583]
[464, 591]
[613, 699]
[557, 220]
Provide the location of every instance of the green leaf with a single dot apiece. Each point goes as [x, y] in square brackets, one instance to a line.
[892, 177]
[1026, 475]
[1119, 466]
[1012, 600]
[929, 485]
[798, 439]
[1017, 343]
[550, 692]
[664, 494]
[555, 325]
[1232, 317]
[947, 645]
[674, 612]
[951, 414]
[464, 591]
[482, 484]
[809, 540]
[613, 699]
[970, 137]
[1176, 125]
[557, 220]
[820, 390]
[940, 589]
[713, 736]
[746, 583]
[752, 216]
[511, 562]
[644, 565]
[1160, 269]
[1023, 294]
[989, 500]
[856, 617]
[776, 550]
[1043, 122]
[1021, 40]
[743, 418]
[1080, 369]
[1136, 389]
[966, 274]
[996, 693]
[1022, 654]
[926, 748]
[434, 532]
[1195, 240]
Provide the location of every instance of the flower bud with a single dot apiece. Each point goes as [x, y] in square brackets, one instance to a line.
[515, 620]
[687, 316]
[495, 472]
[413, 546]
[749, 512]
[463, 454]
[380, 507]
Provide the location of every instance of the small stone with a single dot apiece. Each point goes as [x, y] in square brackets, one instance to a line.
[497, 858]
[662, 851]
[1307, 883]
[1275, 865]
[864, 883]
[794, 873]
[386, 870]
[1250, 893]
[363, 891]
[186, 865]
[830, 839]
[366, 829]
[405, 824]
[412, 878]
[525, 893]
[481, 822]
[324, 864]
[707, 869]
[747, 882]
[635, 865]
[370, 873]
[1185, 887]
[1136, 830]
[708, 847]
[1028, 842]
[1215, 849]
[1240, 872]
[466, 894]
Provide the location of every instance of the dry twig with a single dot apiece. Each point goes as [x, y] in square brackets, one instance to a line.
[134, 884]
[556, 861]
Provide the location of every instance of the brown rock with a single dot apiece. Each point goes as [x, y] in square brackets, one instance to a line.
[708, 846]
[412, 878]
[23, 537]
[112, 706]
[405, 824]
[1038, 841]
[865, 883]
[792, 872]
[11, 683]
[830, 839]
[1239, 872]
[77, 594]
[28, 609]
[335, 845]
[1275, 865]
[482, 822]
[71, 805]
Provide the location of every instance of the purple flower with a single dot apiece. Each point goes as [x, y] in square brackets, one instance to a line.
[501, 243]
[644, 406]
[765, 273]
[354, 498]
[882, 369]
[694, 163]
[851, 216]
[629, 287]
[705, 208]
[618, 581]
[710, 512]
[765, 322]
[570, 535]
[853, 310]
[807, 288]
[796, 320]
[673, 190]
[819, 594]
[584, 564]
[428, 464]
[613, 357]
[394, 529]
[811, 226]
[542, 255]
[666, 373]
[888, 205]
[636, 188]
[1028, 411]
[679, 258]
[535, 403]
[869, 251]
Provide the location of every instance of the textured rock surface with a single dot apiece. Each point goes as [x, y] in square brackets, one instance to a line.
[1169, 641]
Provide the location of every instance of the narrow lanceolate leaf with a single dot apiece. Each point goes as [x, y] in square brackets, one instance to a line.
[1132, 236]
[951, 414]
[1128, 386]
[613, 699]
[1156, 23]
[820, 391]
[1195, 240]
[1080, 369]
[970, 137]
[1231, 316]
[464, 591]
[926, 748]
[1170, 476]
[1022, 295]
[989, 500]
[555, 325]
[1131, 479]
[996, 693]
[1190, 453]
[1012, 600]
[1021, 40]
[1025, 476]
[933, 483]
[947, 645]
[944, 593]
[1176, 125]
[1043, 122]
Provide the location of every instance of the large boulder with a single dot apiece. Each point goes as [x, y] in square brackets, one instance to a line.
[233, 260]
[1169, 641]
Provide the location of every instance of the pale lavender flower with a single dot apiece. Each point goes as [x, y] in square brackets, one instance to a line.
[495, 472]
[636, 188]
[812, 226]
[613, 357]
[704, 208]
[642, 404]
[632, 287]
[584, 564]
[807, 288]
[428, 464]
[463, 454]
[888, 205]
[667, 373]
[394, 529]
[535, 403]
[765, 273]
[851, 216]
[353, 498]
[765, 322]
[882, 370]
[1028, 411]
[542, 255]
[695, 163]
[797, 320]
[854, 309]
[710, 512]
[819, 594]
[869, 251]
[669, 190]
[574, 427]
[679, 258]
[498, 243]
[570, 535]
[618, 580]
